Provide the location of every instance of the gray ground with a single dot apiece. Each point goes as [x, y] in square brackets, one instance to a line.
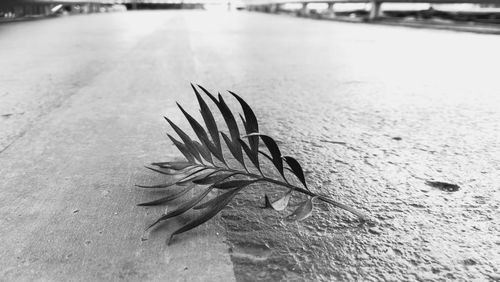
[371, 111]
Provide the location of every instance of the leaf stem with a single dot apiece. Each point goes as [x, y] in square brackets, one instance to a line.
[323, 198]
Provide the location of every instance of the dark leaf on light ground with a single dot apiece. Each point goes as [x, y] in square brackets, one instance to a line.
[197, 171]
[214, 201]
[254, 158]
[170, 197]
[230, 121]
[159, 186]
[281, 203]
[188, 142]
[173, 165]
[448, 187]
[237, 154]
[184, 207]
[251, 124]
[296, 169]
[165, 172]
[208, 147]
[196, 176]
[216, 206]
[188, 173]
[211, 124]
[266, 155]
[169, 171]
[179, 179]
[304, 210]
[209, 95]
[274, 150]
[234, 183]
[214, 178]
[204, 152]
[243, 121]
[182, 148]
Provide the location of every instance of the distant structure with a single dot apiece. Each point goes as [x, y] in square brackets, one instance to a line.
[275, 6]
[13, 9]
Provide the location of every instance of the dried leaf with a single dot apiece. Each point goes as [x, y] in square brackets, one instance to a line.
[304, 210]
[282, 202]
[296, 169]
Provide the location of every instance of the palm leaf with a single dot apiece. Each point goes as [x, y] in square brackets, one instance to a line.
[209, 175]
[296, 169]
[274, 150]
[196, 176]
[250, 123]
[203, 137]
[234, 151]
[169, 198]
[184, 207]
[214, 178]
[211, 124]
[229, 118]
[214, 200]
[254, 158]
[234, 183]
[183, 149]
[214, 209]
[181, 179]
[173, 165]
[186, 139]
[204, 152]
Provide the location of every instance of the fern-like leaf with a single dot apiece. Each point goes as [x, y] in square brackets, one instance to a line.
[201, 170]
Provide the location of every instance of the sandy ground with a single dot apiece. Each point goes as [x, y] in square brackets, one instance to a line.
[371, 111]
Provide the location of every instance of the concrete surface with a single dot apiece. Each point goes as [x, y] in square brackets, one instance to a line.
[371, 111]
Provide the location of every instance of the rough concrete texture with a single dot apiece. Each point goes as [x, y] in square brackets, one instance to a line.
[372, 112]
[67, 205]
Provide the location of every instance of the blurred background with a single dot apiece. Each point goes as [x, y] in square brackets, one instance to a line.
[436, 11]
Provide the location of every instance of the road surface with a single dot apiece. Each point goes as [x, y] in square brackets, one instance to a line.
[372, 112]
